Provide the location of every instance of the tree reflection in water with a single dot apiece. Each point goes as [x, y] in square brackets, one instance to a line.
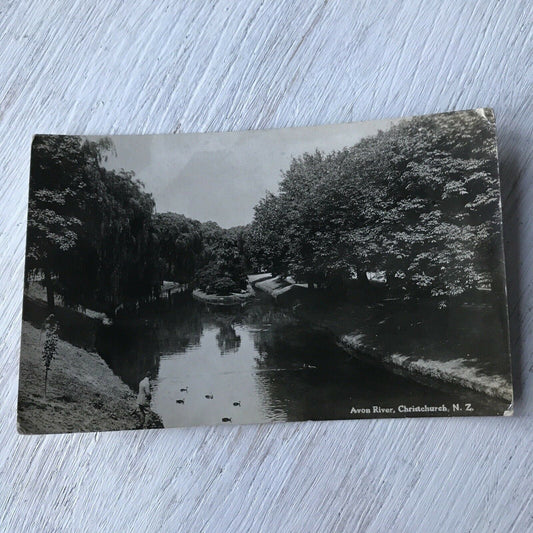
[227, 339]
[282, 367]
[133, 345]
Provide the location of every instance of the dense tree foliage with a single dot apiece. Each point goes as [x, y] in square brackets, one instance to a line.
[179, 246]
[419, 201]
[56, 197]
[93, 236]
[223, 261]
[88, 227]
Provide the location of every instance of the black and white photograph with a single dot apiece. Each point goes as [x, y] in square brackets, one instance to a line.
[333, 272]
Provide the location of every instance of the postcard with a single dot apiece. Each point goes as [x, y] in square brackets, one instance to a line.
[335, 272]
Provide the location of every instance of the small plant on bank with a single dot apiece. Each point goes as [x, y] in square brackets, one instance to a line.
[50, 346]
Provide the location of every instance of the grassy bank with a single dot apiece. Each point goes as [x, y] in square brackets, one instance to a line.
[83, 393]
[464, 344]
[455, 371]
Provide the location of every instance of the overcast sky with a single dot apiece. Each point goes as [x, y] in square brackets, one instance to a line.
[221, 176]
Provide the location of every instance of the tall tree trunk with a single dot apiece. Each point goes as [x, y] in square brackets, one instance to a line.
[49, 289]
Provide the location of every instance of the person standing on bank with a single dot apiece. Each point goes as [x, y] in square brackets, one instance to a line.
[144, 397]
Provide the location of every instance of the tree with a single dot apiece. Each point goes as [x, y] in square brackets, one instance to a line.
[179, 245]
[441, 234]
[57, 196]
[419, 201]
[89, 228]
[50, 346]
[268, 239]
[223, 263]
[311, 229]
[124, 251]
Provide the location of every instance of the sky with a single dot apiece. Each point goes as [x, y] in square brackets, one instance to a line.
[222, 176]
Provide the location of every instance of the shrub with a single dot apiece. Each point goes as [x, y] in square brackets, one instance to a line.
[224, 286]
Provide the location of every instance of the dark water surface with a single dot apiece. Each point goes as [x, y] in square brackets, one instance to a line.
[273, 364]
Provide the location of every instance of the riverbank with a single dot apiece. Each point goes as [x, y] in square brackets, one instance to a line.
[214, 299]
[83, 393]
[279, 288]
[453, 371]
[463, 345]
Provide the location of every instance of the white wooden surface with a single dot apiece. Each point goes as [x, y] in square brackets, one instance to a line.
[108, 66]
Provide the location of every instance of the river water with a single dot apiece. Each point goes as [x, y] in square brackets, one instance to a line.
[258, 363]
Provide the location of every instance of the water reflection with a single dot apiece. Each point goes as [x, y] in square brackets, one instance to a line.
[227, 338]
[252, 364]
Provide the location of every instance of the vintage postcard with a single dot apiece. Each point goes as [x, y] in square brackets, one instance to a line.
[335, 272]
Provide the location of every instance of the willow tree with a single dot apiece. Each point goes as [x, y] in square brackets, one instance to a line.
[179, 245]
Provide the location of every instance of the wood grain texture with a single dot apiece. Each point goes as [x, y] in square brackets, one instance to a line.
[109, 66]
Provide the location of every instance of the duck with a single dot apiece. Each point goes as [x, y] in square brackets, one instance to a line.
[180, 401]
[209, 396]
[237, 404]
[225, 419]
[185, 389]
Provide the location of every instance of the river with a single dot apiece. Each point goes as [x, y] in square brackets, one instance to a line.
[257, 363]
